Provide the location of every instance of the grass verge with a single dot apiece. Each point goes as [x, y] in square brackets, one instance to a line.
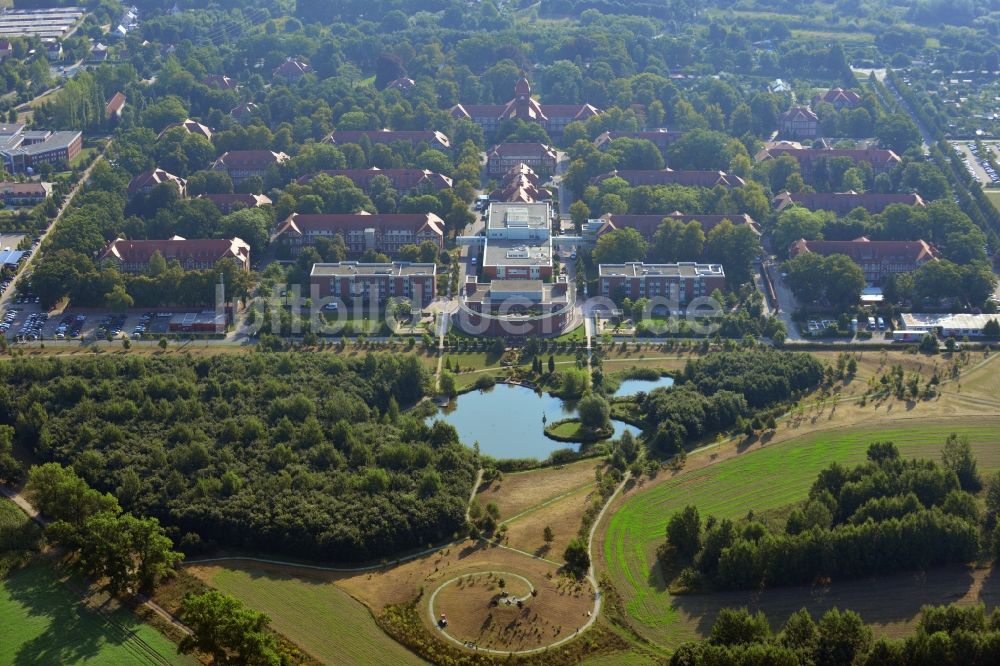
[315, 614]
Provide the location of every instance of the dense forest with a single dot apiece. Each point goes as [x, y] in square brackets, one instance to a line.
[306, 455]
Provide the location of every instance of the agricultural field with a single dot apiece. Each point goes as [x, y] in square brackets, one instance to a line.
[318, 616]
[768, 478]
[42, 621]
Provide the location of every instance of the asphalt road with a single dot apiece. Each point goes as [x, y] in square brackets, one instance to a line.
[6, 299]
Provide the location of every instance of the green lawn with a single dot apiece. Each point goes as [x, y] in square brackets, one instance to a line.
[319, 617]
[42, 621]
[85, 154]
[994, 196]
[766, 479]
[19, 537]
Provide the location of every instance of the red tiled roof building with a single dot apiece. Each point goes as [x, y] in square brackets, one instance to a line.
[385, 233]
[242, 164]
[552, 117]
[291, 70]
[133, 256]
[661, 138]
[505, 156]
[147, 180]
[219, 82]
[404, 181]
[878, 259]
[191, 127]
[647, 225]
[880, 160]
[843, 203]
[227, 203]
[434, 139]
[839, 98]
[709, 179]
[799, 122]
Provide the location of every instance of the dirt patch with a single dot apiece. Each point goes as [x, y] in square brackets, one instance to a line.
[480, 614]
[563, 516]
[520, 491]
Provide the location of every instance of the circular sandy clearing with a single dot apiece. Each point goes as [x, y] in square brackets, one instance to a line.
[527, 612]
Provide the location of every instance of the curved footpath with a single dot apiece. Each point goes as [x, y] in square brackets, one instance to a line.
[591, 578]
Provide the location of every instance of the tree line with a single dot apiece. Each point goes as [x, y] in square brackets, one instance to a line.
[719, 392]
[885, 515]
[951, 635]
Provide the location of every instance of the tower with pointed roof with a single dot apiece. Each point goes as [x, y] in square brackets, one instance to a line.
[552, 117]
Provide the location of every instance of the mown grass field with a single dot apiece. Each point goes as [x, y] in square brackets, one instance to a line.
[994, 196]
[42, 621]
[18, 537]
[763, 480]
[316, 615]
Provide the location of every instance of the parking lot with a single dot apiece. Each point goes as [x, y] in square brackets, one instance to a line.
[978, 165]
[27, 322]
[821, 327]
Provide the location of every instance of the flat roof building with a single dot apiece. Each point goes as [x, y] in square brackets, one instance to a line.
[679, 282]
[948, 325]
[517, 221]
[348, 280]
[208, 321]
[518, 241]
[30, 193]
[10, 258]
[515, 307]
[22, 150]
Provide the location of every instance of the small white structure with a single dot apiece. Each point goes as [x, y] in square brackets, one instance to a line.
[949, 325]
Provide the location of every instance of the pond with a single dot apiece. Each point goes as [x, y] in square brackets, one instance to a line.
[633, 386]
[507, 420]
